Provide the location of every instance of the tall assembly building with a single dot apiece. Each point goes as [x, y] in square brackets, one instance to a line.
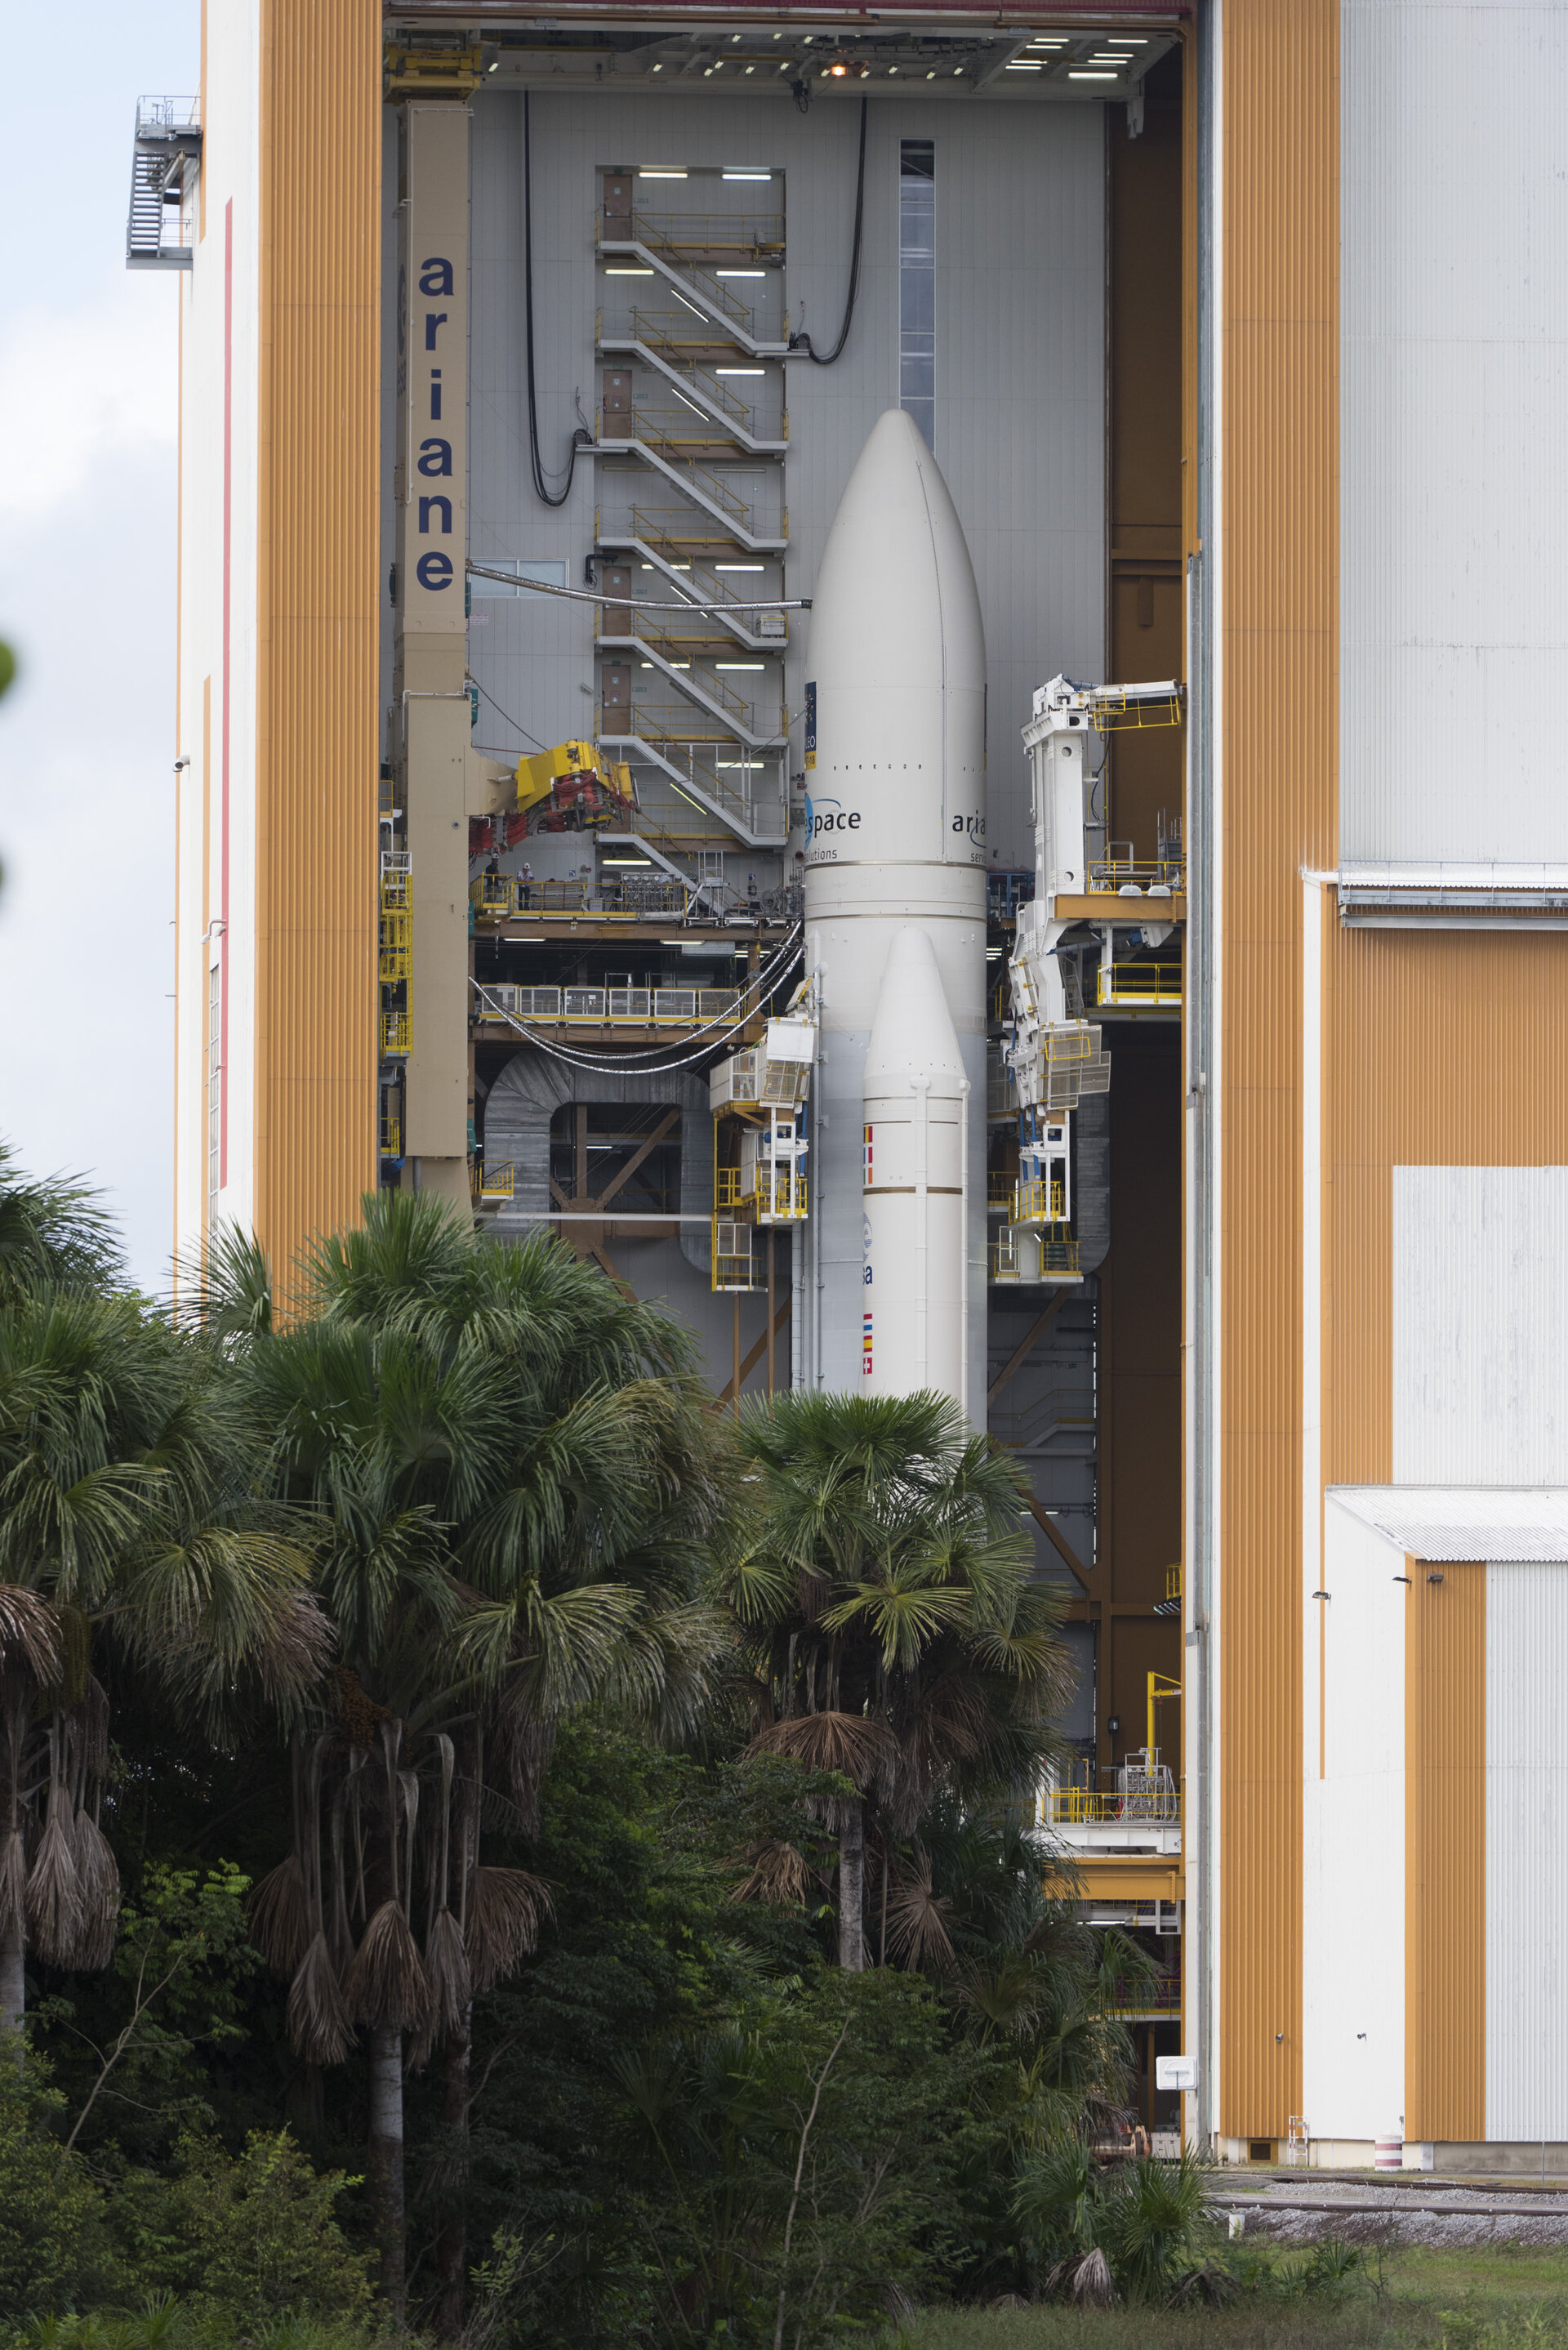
[1193, 1094]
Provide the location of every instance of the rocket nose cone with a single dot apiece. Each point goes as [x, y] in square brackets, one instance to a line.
[912, 1033]
[896, 586]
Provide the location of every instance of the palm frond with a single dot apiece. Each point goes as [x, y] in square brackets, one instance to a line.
[97, 1881]
[54, 1897]
[278, 1912]
[29, 1634]
[862, 1750]
[318, 2021]
[387, 1982]
[505, 1912]
[918, 1919]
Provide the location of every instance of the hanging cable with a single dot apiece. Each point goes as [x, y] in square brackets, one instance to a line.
[506, 714]
[633, 1063]
[581, 438]
[802, 342]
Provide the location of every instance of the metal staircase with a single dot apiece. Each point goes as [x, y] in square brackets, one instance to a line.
[164, 159]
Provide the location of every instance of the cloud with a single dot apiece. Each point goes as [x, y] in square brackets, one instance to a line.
[94, 385]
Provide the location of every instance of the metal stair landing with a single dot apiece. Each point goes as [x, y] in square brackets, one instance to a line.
[164, 159]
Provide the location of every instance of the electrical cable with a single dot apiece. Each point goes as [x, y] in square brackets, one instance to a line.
[581, 438]
[631, 1064]
[510, 719]
[802, 342]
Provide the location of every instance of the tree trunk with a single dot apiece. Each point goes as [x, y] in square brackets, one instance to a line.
[451, 2244]
[851, 1886]
[385, 2165]
[13, 1979]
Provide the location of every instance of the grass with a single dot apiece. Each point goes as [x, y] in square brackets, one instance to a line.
[1489, 2297]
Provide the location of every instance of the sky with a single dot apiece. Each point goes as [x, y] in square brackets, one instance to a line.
[89, 422]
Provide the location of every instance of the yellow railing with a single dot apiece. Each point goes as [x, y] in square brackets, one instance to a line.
[1042, 1203]
[494, 1182]
[396, 1032]
[1057, 1259]
[492, 893]
[1110, 873]
[1083, 1807]
[998, 1191]
[1173, 1582]
[397, 889]
[1111, 709]
[1140, 983]
[391, 1139]
[773, 1198]
[397, 956]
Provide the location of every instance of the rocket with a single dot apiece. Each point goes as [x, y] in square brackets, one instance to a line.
[895, 936]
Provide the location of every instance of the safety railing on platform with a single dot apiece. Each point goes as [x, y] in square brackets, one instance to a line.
[606, 1007]
[1077, 1807]
[777, 1198]
[397, 947]
[1021, 1254]
[1145, 984]
[494, 1182]
[1042, 1203]
[396, 1032]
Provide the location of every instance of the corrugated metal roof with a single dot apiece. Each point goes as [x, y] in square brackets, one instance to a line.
[1523, 1522]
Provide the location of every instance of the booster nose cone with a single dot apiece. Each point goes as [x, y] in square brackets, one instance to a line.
[913, 1040]
[895, 670]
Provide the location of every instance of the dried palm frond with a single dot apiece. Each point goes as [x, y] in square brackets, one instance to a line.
[54, 1888]
[446, 1964]
[319, 2022]
[387, 1983]
[918, 1919]
[861, 1749]
[1086, 2276]
[503, 1921]
[340, 1934]
[779, 1874]
[13, 1882]
[89, 1730]
[278, 1910]
[97, 1875]
[30, 1633]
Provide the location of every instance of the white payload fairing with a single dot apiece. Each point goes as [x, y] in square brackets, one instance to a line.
[895, 936]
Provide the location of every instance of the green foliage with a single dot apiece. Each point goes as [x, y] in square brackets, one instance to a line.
[54, 2243]
[135, 2044]
[246, 2241]
[1147, 2221]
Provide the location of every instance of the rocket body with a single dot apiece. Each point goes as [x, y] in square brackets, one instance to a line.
[895, 749]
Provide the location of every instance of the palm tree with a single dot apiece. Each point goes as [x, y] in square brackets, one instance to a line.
[54, 1233]
[129, 1522]
[885, 1605]
[514, 1472]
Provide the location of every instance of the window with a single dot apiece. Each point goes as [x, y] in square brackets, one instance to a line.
[215, 1084]
[918, 285]
[553, 574]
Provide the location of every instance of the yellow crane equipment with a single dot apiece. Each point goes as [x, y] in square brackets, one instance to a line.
[572, 789]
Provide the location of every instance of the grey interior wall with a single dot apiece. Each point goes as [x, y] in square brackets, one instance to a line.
[1020, 428]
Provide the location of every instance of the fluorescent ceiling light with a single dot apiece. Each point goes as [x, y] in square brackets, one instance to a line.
[639, 863]
[1020, 65]
[740, 371]
[738, 664]
[612, 270]
[746, 175]
[656, 171]
[1091, 76]
[737, 566]
[740, 272]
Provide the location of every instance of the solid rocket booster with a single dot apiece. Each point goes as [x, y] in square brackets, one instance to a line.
[916, 1183]
[895, 757]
